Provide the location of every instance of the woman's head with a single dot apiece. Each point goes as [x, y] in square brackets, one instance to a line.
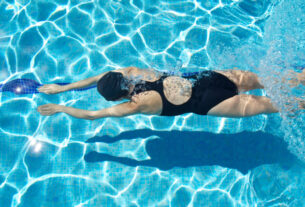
[113, 86]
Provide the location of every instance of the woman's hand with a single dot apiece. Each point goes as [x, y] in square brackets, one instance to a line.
[49, 109]
[50, 89]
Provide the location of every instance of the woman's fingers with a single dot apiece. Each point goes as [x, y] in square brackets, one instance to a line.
[40, 89]
[47, 109]
[44, 89]
[49, 89]
[43, 110]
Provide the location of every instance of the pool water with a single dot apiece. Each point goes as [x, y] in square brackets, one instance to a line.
[188, 160]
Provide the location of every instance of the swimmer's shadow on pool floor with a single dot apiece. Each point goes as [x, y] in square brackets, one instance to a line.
[242, 151]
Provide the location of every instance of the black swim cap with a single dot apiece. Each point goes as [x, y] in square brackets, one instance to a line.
[113, 86]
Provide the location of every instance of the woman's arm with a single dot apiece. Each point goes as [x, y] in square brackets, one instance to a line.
[82, 83]
[54, 88]
[120, 110]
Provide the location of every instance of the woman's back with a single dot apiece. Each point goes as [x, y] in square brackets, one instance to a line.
[174, 95]
[177, 90]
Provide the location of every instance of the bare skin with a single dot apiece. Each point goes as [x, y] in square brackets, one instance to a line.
[176, 89]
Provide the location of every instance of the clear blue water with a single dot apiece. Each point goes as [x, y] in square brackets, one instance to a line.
[192, 160]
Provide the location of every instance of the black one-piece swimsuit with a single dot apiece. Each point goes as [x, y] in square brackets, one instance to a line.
[209, 88]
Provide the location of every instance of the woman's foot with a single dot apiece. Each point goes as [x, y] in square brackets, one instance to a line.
[295, 78]
[301, 77]
[301, 103]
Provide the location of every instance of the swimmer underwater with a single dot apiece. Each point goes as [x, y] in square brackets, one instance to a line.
[215, 93]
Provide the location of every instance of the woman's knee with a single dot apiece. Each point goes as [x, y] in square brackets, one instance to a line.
[257, 105]
[248, 81]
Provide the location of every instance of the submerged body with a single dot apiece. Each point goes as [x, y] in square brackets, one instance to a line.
[196, 93]
[215, 93]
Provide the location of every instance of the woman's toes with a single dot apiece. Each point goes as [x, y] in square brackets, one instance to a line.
[302, 104]
[301, 77]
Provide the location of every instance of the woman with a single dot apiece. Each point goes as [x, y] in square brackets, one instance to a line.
[214, 93]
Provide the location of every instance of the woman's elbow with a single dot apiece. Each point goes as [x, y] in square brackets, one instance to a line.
[91, 115]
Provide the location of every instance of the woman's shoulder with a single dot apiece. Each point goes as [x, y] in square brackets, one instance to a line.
[145, 74]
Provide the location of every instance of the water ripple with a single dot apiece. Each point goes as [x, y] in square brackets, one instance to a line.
[41, 158]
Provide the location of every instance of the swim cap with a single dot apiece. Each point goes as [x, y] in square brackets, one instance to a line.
[113, 86]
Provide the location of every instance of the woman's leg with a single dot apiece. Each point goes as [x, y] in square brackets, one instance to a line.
[242, 106]
[244, 80]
